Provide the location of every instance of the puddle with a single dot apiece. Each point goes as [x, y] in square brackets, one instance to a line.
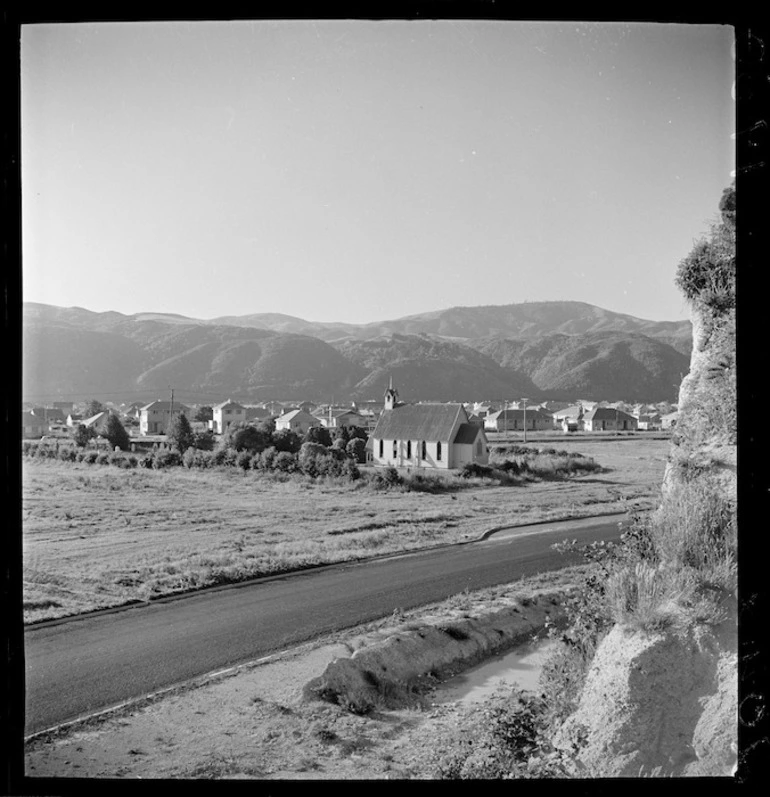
[518, 668]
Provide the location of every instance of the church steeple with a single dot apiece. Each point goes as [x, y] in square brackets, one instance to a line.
[391, 396]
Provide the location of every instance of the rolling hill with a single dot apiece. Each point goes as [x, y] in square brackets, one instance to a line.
[538, 349]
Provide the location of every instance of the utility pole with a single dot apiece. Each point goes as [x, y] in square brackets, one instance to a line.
[524, 402]
[171, 411]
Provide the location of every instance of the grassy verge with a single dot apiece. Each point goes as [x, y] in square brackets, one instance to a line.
[96, 537]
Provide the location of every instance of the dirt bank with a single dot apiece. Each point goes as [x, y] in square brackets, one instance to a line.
[659, 704]
[388, 673]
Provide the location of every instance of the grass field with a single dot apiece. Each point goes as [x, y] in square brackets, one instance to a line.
[97, 536]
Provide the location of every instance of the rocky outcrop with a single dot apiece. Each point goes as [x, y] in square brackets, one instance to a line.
[657, 705]
[665, 703]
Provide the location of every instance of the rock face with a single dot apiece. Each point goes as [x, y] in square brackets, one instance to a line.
[657, 705]
[666, 703]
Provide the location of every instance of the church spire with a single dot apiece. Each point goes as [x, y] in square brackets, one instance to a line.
[391, 395]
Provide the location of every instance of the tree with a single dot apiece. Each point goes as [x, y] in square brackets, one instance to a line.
[356, 448]
[116, 433]
[244, 437]
[81, 434]
[204, 441]
[180, 434]
[318, 434]
[204, 414]
[707, 274]
[93, 407]
[357, 431]
[342, 433]
[267, 425]
[286, 440]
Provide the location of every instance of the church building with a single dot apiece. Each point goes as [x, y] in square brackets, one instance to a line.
[426, 435]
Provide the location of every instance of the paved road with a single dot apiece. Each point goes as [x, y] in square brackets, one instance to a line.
[79, 666]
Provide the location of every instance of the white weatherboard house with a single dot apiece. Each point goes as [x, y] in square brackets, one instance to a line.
[155, 417]
[225, 414]
[602, 419]
[297, 421]
[426, 436]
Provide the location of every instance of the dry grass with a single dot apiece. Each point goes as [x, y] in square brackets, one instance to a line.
[96, 536]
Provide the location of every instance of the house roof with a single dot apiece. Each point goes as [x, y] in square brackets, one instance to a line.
[427, 422]
[228, 405]
[567, 412]
[607, 414]
[165, 405]
[511, 415]
[30, 419]
[100, 416]
[294, 414]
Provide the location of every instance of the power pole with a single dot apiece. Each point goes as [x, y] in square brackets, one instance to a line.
[524, 402]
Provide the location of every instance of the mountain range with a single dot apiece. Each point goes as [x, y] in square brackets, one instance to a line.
[558, 350]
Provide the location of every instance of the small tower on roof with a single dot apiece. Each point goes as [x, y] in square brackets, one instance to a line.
[391, 396]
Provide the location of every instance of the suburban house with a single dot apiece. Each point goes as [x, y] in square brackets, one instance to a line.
[514, 420]
[226, 414]
[337, 418]
[256, 413]
[668, 421]
[156, 416]
[73, 419]
[297, 421]
[601, 419]
[648, 423]
[426, 436]
[569, 418]
[97, 422]
[49, 415]
[33, 425]
[133, 410]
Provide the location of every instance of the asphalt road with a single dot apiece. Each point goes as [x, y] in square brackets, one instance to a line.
[82, 665]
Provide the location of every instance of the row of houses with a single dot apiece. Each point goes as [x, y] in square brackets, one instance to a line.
[155, 417]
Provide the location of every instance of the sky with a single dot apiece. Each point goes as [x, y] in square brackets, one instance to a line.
[362, 171]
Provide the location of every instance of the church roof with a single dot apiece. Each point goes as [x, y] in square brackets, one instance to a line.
[466, 434]
[429, 422]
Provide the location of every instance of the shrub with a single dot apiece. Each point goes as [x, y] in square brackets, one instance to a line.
[285, 462]
[356, 448]
[244, 437]
[243, 459]
[267, 458]
[118, 459]
[204, 440]
[166, 459]
[475, 470]
[286, 440]
[68, 454]
[312, 458]
[508, 738]
[89, 457]
[318, 434]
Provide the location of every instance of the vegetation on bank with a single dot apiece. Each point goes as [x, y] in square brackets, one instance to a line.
[287, 456]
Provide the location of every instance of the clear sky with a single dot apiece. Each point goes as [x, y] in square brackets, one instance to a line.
[362, 171]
